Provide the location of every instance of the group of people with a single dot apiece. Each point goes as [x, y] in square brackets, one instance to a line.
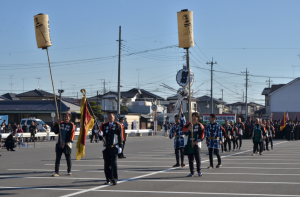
[112, 135]
[188, 139]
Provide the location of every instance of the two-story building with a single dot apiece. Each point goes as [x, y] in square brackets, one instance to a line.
[282, 98]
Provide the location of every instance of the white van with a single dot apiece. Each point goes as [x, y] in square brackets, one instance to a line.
[39, 123]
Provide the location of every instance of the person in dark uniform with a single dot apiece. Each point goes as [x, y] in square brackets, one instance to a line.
[213, 135]
[95, 131]
[297, 129]
[179, 142]
[224, 134]
[234, 135]
[193, 148]
[270, 134]
[10, 142]
[241, 128]
[32, 130]
[229, 132]
[111, 135]
[258, 134]
[67, 135]
[121, 121]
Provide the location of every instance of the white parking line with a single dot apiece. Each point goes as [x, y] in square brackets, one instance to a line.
[197, 193]
[153, 192]
[158, 180]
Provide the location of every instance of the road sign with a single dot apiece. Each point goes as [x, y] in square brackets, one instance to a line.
[52, 114]
[182, 77]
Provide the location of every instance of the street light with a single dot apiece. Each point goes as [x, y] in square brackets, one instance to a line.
[60, 92]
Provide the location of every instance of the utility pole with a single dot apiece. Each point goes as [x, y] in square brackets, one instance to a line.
[138, 77]
[61, 83]
[104, 90]
[211, 83]
[23, 83]
[294, 69]
[11, 83]
[222, 95]
[119, 74]
[269, 81]
[38, 82]
[97, 105]
[247, 73]
[243, 97]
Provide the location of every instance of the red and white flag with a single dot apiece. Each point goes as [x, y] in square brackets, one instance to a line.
[296, 118]
[287, 116]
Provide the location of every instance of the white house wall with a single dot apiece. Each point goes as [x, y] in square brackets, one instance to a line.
[287, 98]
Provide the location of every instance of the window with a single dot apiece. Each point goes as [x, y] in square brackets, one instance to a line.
[41, 122]
[22, 122]
[268, 103]
[29, 122]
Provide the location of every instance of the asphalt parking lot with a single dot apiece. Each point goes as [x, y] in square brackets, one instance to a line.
[147, 171]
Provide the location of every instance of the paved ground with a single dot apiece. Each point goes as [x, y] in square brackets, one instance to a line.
[147, 172]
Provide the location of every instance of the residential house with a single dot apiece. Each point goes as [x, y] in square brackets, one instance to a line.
[204, 105]
[240, 108]
[282, 98]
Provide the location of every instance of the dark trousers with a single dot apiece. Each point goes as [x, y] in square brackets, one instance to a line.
[122, 153]
[296, 135]
[234, 142]
[59, 152]
[195, 156]
[52, 138]
[227, 141]
[32, 137]
[96, 136]
[269, 140]
[261, 146]
[216, 151]
[177, 150]
[292, 135]
[110, 164]
[255, 148]
[239, 141]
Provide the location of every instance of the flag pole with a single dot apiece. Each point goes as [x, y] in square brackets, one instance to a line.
[54, 96]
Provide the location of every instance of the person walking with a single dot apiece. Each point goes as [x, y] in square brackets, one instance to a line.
[95, 131]
[121, 122]
[229, 131]
[179, 142]
[241, 128]
[111, 135]
[213, 135]
[194, 141]
[64, 144]
[258, 134]
[32, 130]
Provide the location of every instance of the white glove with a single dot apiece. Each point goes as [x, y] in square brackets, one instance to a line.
[119, 150]
[100, 133]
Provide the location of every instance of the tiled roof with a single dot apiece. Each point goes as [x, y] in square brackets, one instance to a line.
[33, 105]
[35, 93]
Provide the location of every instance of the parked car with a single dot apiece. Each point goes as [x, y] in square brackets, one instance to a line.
[39, 122]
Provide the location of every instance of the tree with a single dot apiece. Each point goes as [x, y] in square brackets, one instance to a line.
[124, 108]
[96, 108]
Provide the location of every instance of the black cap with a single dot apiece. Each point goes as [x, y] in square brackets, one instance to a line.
[121, 118]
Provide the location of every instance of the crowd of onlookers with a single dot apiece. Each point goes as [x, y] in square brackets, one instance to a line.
[32, 129]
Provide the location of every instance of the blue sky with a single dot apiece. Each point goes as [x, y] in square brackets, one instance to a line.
[262, 36]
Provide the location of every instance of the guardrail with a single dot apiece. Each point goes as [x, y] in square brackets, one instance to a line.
[47, 135]
[139, 132]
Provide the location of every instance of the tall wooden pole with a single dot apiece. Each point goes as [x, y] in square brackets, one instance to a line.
[54, 96]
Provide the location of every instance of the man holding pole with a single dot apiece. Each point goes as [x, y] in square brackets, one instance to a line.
[213, 135]
[64, 146]
[194, 143]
